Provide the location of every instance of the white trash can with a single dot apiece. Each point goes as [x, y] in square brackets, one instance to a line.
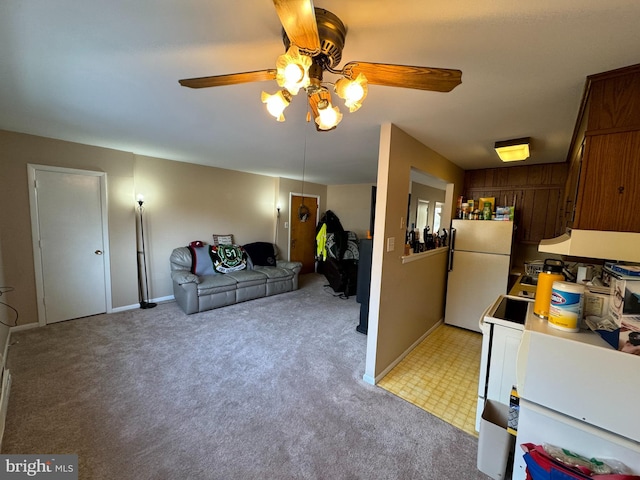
[494, 443]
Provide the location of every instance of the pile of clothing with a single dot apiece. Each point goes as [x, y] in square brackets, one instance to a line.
[337, 254]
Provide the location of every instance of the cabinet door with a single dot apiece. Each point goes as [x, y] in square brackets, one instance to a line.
[567, 208]
[609, 189]
[502, 364]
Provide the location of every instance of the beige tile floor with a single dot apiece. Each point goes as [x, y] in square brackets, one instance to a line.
[440, 376]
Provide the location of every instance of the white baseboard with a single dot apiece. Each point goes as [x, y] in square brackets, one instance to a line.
[4, 401]
[135, 306]
[373, 381]
[5, 350]
[18, 328]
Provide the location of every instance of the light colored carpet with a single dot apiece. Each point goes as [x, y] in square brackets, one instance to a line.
[267, 389]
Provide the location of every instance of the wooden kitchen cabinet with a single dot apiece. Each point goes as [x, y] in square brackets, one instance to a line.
[609, 190]
[605, 155]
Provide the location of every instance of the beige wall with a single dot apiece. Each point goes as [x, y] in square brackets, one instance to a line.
[352, 205]
[183, 202]
[16, 257]
[407, 300]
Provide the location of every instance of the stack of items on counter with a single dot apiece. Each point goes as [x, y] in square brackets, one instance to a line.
[614, 306]
[604, 299]
[483, 209]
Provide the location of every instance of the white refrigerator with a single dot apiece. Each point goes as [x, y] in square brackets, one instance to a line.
[479, 264]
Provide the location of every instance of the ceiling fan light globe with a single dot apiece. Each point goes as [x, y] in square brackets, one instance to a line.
[293, 73]
[292, 70]
[276, 104]
[352, 91]
[328, 118]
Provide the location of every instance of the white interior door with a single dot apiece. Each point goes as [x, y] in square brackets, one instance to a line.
[69, 237]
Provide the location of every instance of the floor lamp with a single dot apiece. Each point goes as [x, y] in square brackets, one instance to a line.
[143, 293]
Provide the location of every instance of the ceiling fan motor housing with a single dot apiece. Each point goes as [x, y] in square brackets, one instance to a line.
[332, 33]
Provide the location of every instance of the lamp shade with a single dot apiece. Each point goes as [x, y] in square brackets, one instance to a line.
[513, 150]
[352, 91]
[276, 103]
[326, 116]
[292, 70]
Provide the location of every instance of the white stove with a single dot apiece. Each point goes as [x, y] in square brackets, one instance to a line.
[502, 325]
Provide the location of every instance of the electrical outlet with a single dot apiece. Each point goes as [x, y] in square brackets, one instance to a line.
[286, 224]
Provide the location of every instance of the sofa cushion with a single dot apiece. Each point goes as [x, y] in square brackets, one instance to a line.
[261, 253]
[215, 284]
[247, 277]
[228, 258]
[201, 261]
[275, 273]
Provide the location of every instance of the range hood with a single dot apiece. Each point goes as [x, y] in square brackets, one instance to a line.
[621, 246]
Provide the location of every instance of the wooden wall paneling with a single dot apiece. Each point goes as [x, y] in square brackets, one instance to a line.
[474, 179]
[537, 174]
[553, 227]
[539, 214]
[517, 175]
[535, 190]
[501, 177]
[559, 172]
[526, 212]
[489, 178]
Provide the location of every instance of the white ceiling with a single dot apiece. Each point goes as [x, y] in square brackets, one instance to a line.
[106, 73]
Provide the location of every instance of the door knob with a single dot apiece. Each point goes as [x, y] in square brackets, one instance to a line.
[98, 252]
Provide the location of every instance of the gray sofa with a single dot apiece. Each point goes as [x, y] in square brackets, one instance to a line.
[198, 293]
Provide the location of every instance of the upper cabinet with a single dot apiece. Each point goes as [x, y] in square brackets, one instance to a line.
[605, 155]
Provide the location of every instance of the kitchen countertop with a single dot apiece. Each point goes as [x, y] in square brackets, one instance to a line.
[520, 289]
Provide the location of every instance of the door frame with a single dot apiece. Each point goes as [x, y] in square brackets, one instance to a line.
[291, 213]
[35, 232]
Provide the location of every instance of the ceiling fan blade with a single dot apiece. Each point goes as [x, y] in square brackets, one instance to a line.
[298, 19]
[230, 79]
[406, 76]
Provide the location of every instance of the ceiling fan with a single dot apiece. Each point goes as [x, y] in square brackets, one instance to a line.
[314, 39]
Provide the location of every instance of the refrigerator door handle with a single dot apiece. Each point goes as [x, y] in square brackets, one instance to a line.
[452, 243]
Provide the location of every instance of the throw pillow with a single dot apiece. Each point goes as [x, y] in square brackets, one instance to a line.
[261, 253]
[201, 261]
[226, 239]
[228, 258]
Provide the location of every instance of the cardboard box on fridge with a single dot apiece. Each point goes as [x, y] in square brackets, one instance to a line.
[624, 309]
[624, 294]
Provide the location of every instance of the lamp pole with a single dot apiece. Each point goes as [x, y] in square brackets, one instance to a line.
[142, 268]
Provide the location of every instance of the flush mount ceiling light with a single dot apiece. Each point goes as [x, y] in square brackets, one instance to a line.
[314, 39]
[513, 150]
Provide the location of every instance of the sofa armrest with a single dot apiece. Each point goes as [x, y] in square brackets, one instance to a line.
[184, 276]
[186, 296]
